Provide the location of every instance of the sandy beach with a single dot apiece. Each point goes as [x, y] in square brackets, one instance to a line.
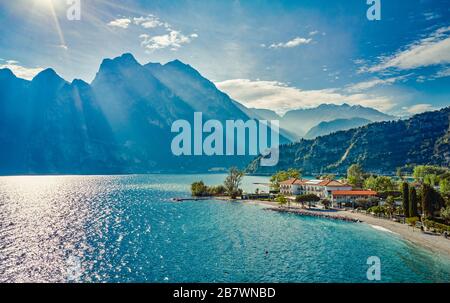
[437, 244]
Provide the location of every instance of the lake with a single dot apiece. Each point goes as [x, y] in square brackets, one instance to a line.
[126, 229]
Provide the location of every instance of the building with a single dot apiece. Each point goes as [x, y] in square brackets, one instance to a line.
[321, 188]
[339, 193]
[341, 198]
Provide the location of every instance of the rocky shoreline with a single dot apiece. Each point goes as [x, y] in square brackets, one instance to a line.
[317, 214]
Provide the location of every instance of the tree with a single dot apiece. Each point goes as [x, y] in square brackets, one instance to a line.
[300, 199]
[281, 176]
[366, 203]
[390, 206]
[431, 179]
[199, 189]
[281, 200]
[355, 175]
[405, 198]
[218, 190]
[380, 183]
[326, 203]
[376, 210]
[427, 203]
[445, 214]
[309, 198]
[432, 201]
[413, 202]
[233, 181]
[421, 171]
[444, 187]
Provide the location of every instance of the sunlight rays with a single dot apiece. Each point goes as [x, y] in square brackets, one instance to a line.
[56, 23]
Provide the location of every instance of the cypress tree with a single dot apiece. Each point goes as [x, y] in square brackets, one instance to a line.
[405, 191]
[413, 202]
[427, 200]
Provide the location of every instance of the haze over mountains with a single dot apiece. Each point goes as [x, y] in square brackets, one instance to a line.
[299, 122]
[121, 123]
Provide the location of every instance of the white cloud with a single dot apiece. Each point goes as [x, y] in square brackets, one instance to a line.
[281, 98]
[445, 72]
[419, 108]
[365, 85]
[292, 43]
[313, 33]
[169, 38]
[150, 21]
[433, 50]
[21, 71]
[431, 16]
[173, 40]
[122, 23]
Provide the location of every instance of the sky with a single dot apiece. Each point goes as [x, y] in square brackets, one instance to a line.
[279, 55]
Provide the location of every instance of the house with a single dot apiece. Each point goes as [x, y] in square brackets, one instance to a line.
[321, 188]
[342, 197]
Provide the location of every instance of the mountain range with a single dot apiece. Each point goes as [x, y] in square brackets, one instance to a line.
[120, 123]
[378, 147]
[325, 128]
[297, 123]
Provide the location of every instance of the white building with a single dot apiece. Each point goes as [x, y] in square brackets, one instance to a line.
[321, 188]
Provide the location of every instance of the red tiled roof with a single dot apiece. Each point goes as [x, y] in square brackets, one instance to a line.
[289, 182]
[354, 193]
[330, 183]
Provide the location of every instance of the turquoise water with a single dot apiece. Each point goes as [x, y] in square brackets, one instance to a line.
[125, 229]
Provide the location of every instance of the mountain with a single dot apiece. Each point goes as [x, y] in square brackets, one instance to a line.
[120, 123]
[266, 114]
[379, 147]
[48, 125]
[302, 120]
[326, 128]
[198, 92]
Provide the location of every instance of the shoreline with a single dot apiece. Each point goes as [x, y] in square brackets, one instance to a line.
[435, 243]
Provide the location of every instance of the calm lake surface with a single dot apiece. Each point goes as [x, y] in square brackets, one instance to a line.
[125, 229]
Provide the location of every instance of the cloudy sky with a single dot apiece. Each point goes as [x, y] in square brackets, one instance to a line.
[279, 55]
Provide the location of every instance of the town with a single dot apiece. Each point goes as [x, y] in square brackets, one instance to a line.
[420, 200]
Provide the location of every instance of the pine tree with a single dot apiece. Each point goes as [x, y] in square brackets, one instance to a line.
[405, 190]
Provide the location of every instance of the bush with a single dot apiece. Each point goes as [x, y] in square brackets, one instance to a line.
[438, 227]
[412, 221]
[219, 190]
[199, 189]
[377, 210]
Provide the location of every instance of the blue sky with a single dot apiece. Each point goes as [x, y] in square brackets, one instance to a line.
[279, 55]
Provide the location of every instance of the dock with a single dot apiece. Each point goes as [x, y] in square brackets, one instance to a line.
[190, 199]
